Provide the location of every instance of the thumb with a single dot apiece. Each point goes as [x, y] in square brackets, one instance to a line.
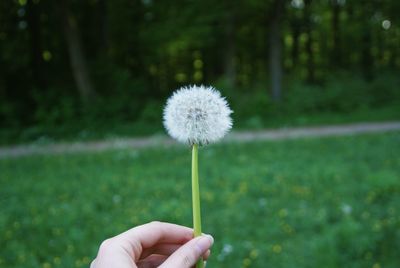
[187, 255]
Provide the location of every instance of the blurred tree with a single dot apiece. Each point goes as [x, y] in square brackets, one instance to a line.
[275, 48]
[366, 40]
[230, 48]
[36, 50]
[76, 54]
[295, 31]
[308, 26]
[104, 25]
[336, 54]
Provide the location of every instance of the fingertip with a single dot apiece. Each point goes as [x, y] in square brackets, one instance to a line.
[207, 254]
[203, 243]
[190, 253]
[211, 238]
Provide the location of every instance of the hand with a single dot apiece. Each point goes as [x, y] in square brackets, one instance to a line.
[155, 244]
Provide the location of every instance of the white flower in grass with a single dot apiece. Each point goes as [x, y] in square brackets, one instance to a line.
[346, 209]
[197, 115]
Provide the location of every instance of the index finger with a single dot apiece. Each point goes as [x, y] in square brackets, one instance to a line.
[153, 233]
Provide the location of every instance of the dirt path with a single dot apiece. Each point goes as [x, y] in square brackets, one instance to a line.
[237, 136]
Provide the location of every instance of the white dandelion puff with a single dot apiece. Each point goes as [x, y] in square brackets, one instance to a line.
[197, 115]
[346, 209]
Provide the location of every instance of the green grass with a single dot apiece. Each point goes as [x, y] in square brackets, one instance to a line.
[332, 202]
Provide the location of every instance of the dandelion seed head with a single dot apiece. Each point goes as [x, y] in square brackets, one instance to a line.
[197, 115]
[346, 209]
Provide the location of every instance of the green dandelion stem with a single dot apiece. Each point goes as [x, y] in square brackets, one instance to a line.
[196, 198]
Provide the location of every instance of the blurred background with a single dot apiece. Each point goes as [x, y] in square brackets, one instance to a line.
[82, 70]
[93, 69]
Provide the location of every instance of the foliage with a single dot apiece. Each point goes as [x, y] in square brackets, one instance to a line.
[331, 202]
[341, 95]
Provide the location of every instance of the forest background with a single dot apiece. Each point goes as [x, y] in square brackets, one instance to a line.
[95, 69]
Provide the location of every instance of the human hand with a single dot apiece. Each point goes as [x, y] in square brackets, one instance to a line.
[155, 244]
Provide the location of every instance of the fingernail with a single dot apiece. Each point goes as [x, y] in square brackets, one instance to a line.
[205, 243]
[211, 238]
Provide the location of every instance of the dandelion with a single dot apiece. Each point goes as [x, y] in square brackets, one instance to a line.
[197, 115]
[227, 249]
[346, 209]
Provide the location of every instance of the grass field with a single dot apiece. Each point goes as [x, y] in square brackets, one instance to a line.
[332, 202]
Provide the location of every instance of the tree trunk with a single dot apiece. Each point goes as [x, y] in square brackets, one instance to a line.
[309, 42]
[295, 25]
[76, 55]
[230, 65]
[336, 56]
[367, 61]
[393, 57]
[103, 24]
[275, 49]
[366, 56]
[36, 59]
